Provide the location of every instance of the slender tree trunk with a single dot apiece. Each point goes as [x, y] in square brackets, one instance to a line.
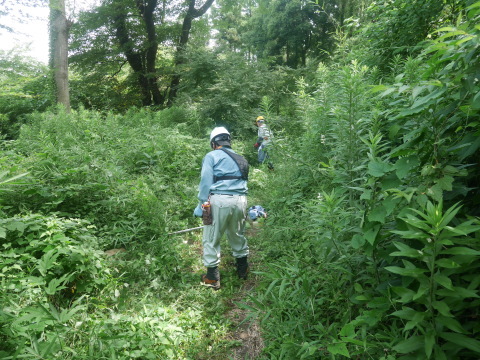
[192, 13]
[59, 28]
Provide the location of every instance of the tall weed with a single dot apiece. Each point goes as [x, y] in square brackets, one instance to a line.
[113, 169]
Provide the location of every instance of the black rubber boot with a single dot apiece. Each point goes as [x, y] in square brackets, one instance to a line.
[212, 278]
[242, 268]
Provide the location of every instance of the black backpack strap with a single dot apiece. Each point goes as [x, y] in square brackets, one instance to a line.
[242, 164]
[218, 178]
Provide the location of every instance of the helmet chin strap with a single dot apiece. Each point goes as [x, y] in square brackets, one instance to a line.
[214, 145]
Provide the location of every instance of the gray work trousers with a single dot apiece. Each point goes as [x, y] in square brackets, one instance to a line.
[228, 212]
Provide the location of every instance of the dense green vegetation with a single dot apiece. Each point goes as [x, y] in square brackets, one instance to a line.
[371, 248]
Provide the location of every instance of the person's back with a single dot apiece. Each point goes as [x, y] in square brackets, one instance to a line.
[223, 190]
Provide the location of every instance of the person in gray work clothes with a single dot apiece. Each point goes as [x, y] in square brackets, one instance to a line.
[223, 185]
[264, 140]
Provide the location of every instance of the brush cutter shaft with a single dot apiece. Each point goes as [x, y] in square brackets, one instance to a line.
[186, 230]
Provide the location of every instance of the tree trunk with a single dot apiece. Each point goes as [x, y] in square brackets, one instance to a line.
[59, 28]
[134, 59]
[191, 14]
[146, 11]
[142, 62]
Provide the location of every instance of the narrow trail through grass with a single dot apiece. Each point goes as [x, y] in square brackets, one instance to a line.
[244, 331]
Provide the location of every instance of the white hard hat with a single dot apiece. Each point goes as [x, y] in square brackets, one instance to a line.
[218, 131]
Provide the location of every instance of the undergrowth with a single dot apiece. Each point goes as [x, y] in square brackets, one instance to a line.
[88, 269]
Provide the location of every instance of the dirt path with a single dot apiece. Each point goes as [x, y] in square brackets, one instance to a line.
[247, 331]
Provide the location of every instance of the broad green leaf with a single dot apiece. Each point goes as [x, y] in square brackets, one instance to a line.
[450, 323]
[378, 88]
[435, 192]
[411, 344]
[445, 29]
[393, 130]
[462, 340]
[378, 168]
[405, 272]
[379, 302]
[451, 34]
[3, 232]
[370, 317]
[411, 234]
[438, 353]
[417, 90]
[476, 101]
[366, 195]
[16, 225]
[417, 319]
[67, 314]
[447, 263]
[464, 228]
[391, 181]
[449, 214]
[442, 308]
[378, 214]
[474, 6]
[445, 183]
[47, 261]
[388, 91]
[406, 295]
[458, 292]
[464, 39]
[35, 281]
[423, 288]
[338, 349]
[54, 286]
[405, 164]
[348, 330]
[429, 343]
[460, 250]
[358, 241]
[405, 250]
[358, 288]
[371, 234]
[443, 280]
[389, 204]
[416, 222]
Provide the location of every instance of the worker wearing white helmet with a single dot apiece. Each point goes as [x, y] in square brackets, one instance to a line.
[223, 187]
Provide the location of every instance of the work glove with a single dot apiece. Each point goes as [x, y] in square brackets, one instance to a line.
[198, 211]
[256, 145]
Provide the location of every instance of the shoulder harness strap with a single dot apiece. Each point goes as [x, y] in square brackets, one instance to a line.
[242, 164]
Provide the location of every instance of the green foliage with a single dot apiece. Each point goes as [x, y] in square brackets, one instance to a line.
[61, 296]
[294, 297]
[233, 87]
[109, 169]
[289, 32]
[439, 287]
[381, 168]
[399, 26]
[47, 263]
[24, 89]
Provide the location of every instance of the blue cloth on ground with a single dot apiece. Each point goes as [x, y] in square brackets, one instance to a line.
[256, 211]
